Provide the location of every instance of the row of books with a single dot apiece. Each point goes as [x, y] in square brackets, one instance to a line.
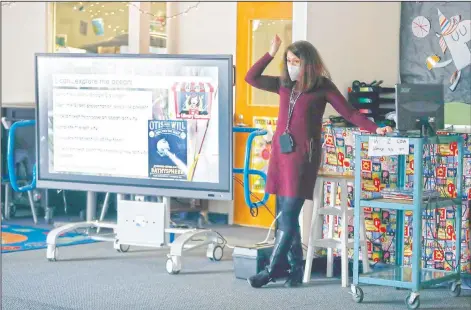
[407, 194]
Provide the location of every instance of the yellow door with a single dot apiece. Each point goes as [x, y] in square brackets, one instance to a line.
[257, 23]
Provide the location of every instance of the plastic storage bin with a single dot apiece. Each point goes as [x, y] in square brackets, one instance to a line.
[249, 260]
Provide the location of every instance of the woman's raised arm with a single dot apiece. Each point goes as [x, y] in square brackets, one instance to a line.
[264, 82]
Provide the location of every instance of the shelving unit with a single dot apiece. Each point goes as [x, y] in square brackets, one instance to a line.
[378, 100]
[414, 277]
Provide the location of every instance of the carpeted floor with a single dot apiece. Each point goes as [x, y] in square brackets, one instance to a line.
[94, 276]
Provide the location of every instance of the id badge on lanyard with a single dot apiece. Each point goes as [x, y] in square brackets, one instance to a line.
[286, 140]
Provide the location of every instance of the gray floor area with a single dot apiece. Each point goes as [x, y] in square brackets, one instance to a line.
[95, 276]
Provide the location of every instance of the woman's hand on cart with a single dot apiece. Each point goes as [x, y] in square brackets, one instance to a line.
[383, 130]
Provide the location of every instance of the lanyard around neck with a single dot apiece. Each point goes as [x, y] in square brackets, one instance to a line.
[292, 102]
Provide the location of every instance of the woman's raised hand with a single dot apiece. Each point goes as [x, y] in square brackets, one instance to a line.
[275, 45]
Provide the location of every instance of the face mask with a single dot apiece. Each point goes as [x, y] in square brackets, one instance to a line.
[293, 72]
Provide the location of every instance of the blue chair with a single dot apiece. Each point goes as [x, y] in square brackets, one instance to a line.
[13, 159]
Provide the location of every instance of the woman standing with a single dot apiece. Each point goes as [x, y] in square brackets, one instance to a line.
[304, 88]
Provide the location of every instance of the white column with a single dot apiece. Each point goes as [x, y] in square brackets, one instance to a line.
[299, 21]
[172, 28]
[138, 29]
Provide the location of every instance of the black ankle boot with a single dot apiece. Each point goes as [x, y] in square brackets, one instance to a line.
[280, 248]
[295, 260]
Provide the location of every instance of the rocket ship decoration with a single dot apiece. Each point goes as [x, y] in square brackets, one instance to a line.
[454, 38]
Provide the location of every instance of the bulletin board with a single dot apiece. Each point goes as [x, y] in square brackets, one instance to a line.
[435, 46]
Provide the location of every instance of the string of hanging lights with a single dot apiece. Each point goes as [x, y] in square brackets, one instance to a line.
[81, 6]
[163, 19]
[160, 17]
[99, 10]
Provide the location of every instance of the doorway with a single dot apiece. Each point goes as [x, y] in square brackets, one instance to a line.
[257, 24]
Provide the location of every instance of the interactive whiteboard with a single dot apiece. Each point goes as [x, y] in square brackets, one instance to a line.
[138, 124]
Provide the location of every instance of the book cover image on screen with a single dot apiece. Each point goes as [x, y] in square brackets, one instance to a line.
[114, 120]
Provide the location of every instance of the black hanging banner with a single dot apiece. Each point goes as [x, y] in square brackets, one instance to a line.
[436, 46]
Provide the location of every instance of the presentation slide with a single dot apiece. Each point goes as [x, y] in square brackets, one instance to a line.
[129, 120]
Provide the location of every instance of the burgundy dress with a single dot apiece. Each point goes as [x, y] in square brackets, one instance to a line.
[294, 174]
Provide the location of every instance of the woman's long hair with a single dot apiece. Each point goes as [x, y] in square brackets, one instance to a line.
[312, 69]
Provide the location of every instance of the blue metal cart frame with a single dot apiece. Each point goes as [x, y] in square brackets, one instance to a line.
[414, 277]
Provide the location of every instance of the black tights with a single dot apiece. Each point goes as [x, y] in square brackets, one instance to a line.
[290, 207]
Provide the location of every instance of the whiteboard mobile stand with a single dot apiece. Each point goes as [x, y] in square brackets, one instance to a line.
[414, 277]
[142, 223]
[147, 224]
[139, 222]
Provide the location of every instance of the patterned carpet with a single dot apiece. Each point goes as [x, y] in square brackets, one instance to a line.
[23, 238]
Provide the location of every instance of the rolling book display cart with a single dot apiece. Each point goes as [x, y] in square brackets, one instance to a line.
[421, 199]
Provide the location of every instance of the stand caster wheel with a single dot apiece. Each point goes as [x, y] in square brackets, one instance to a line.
[215, 252]
[412, 304]
[455, 289]
[357, 294]
[173, 265]
[218, 252]
[123, 248]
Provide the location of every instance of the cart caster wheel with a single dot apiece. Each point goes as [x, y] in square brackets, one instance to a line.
[358, 295]
[218, 252]
[414, 304]
[455, 289]
[173, 265]
[123, 248]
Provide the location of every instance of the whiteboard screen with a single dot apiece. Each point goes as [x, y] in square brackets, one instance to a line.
[143, 124]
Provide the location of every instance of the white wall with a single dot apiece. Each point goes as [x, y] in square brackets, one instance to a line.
[357, 41]
[23, 34]
[210, 30]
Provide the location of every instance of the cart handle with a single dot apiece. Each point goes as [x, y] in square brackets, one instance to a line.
[246, 171]
[11, 158]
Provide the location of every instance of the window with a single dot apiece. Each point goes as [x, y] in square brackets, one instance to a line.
[102, 27]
